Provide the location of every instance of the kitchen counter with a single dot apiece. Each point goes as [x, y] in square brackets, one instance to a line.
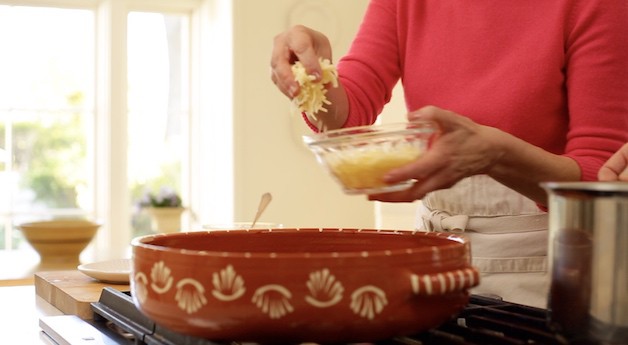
[20, 310]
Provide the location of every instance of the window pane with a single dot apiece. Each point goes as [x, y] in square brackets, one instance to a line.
[158, 104]
[47, 56]
[46, 113]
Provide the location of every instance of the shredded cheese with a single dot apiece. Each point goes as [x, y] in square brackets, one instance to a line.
[364, 168]
[312, 96]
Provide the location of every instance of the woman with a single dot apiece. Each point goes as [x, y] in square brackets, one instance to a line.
[523, 91]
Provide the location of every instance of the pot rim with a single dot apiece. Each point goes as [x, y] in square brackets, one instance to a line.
[587, 186]
[455, 243]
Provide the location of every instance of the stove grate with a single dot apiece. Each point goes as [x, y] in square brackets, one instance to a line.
[485, 321]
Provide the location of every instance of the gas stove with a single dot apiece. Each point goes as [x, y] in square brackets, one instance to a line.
[483, 321]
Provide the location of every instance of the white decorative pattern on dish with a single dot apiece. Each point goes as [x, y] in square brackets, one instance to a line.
[273, 300]
[160, 274]
[325, 290]
[228, 285]
[190, 295]
[368, 301]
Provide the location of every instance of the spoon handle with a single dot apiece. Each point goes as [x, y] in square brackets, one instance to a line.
[266, 198]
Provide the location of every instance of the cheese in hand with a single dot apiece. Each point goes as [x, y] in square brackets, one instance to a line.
[312, 96]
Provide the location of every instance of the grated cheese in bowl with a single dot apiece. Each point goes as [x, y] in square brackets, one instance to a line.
[359, 157]
[312, 96]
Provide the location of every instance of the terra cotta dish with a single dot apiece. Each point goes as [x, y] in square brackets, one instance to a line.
[296, 285]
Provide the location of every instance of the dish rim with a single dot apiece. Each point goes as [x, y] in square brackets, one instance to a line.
[370, 131]
[456, 242]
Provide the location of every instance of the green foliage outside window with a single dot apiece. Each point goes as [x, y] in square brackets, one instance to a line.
[49, 155]
[52, 166]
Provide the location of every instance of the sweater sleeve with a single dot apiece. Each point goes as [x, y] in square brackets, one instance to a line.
[597, 82]
[372, 65]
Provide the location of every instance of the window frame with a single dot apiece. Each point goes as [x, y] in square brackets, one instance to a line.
[210, 29]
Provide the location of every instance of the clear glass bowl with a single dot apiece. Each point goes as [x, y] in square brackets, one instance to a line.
[359, 157]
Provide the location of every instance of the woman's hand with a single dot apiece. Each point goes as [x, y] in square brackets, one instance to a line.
[299, 43]
[307, 46]
[463, 148]
[616, 168]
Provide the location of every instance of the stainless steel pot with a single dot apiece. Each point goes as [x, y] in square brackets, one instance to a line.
[588, 250]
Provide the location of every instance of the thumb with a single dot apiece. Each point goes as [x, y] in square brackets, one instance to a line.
[425, 113]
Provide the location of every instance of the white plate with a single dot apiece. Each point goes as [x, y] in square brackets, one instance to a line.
[112, 271]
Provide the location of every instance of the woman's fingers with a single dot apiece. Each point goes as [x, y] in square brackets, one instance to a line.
[280, 64]
[302, 44]
[417, 191]
[616, 168]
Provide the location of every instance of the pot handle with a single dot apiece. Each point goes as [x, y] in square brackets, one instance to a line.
[444, 282]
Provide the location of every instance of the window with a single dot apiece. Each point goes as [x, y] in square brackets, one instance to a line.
[46, 116]
[100, 102]
[158, 103]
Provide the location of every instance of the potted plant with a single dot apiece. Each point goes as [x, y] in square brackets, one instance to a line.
[165, 209]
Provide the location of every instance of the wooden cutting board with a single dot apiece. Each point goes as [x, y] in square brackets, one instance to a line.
[71, 291]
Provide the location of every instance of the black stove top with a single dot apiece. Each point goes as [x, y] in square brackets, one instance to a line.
[484, 321]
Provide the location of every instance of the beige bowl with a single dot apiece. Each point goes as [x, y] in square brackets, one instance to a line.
[60, 240]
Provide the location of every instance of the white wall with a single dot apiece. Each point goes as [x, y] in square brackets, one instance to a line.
[395, 215]
[269, 154]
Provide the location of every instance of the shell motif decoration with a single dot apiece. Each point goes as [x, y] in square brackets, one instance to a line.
[161, 278]
[228, 285]
[273, 300]
[325, 290]
[141, 289]
[190, 295]
[368, 301]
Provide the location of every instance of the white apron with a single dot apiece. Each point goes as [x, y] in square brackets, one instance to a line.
[507, 232]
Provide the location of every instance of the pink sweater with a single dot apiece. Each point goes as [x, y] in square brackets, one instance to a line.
[553, 73]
